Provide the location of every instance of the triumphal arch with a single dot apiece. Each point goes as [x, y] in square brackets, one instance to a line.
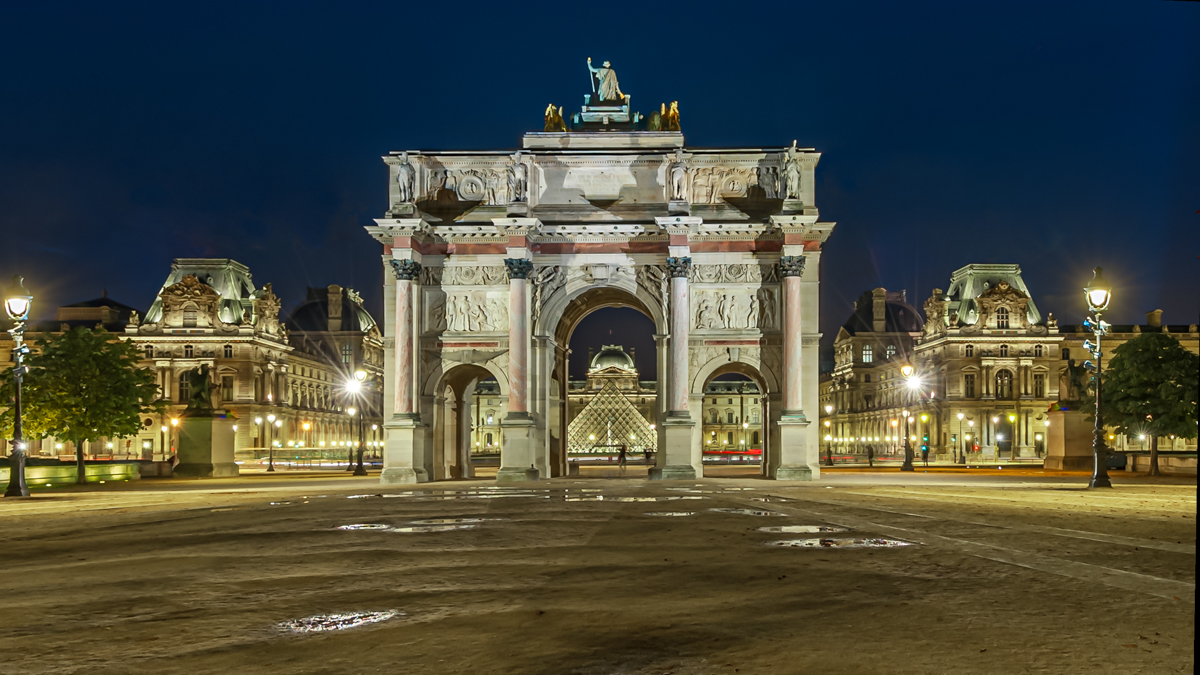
[493, 257]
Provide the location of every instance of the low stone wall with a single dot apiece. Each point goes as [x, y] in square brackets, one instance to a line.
[1168, 465]
[48, 475]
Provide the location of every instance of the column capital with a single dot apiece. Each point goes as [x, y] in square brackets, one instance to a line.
[679, 267]
[791, 265]
[405, 270]
[518, 268]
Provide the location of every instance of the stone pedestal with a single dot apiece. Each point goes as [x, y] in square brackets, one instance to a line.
[516, 454]
[206, 446]
[798, 461]
[1069, 441]
[676, 461]
[402, 452]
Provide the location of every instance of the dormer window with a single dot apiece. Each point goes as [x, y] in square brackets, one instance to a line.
[867, 354]
[189, 318]
[1002, 318]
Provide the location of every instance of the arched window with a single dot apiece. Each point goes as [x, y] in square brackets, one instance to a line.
[969, 350]
[1037, 350]
[228, 352]
[1002, 317]
[185, 387]
[1003, 350]
[1004, 381]
[867, 353]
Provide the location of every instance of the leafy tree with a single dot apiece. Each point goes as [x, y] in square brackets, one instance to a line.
[82, 385]
[1151, 386]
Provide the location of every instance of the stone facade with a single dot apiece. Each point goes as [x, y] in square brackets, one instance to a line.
[983, 351]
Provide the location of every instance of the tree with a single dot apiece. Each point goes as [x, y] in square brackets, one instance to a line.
[82, 385]
[1151, 386]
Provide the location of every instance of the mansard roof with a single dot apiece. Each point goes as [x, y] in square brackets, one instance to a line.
[316, 315]
[229, 278]
[968, 283]
[899, 316]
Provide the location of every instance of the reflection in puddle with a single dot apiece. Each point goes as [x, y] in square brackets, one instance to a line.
[740, 488]
[449, 521]
[671, 513]
[748, 512]
[327, 622]
[432, 528]
[802, 529]
[841, 543]
[280, 503]
[363, 496]
[364, 526]
[769, 499]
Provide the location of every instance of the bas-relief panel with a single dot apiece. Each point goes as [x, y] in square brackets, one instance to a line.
[735, 308]
[464, 310]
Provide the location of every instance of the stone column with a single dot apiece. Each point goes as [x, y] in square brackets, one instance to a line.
[516, 452]
[402, 459]
[796, 461]
[677, 460]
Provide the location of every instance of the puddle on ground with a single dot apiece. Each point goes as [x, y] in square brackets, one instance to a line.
[748, 512]
[364, 526]
[802, 529]
[363, 496]
[432, 528]
[449, 521]
[740, 488]
[841, 543]
[769, 499]
[328, 622]
[280, 503]
[671, 513]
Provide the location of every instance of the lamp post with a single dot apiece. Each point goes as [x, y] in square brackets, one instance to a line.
[828, 446]
[895, 432]
[271, 421]
[970, 432]
[962, 457]
[1098, 294]
[356, 387]
[913, 382]
[306, 426]
[16, 304]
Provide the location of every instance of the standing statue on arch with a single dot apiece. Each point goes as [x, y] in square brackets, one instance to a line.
[605, 83]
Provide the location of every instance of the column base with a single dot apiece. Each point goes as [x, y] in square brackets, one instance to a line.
[795, 473]
[674, 472]
[399, 475]
[403, 458]
[516, 475]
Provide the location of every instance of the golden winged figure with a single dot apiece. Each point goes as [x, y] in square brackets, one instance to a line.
[554, 119]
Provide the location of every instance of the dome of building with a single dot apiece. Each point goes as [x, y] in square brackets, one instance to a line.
[332, 309]
[612, 356]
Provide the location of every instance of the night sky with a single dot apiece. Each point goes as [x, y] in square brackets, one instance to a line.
[1059, 136]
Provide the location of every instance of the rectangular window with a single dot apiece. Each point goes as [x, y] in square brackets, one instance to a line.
[188, 351]
[347, 353]
[149, 351]
[729, 417]
[226, 387]
[969, 350]
[1039, 385]
[867, 377]
[754, 417]
[969, 386]
[229, 353]
[1037, 350]
[867, 353]
[1066, 353]
[729, 438]
[891, 351]
[189, 318]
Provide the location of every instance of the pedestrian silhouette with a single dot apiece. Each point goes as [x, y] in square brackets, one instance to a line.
[870, 456]
[622, 456]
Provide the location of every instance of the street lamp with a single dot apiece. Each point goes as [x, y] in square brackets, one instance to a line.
[356, 386]
[271, 446]
[351, 411]
[907, 465]
[962, 456]
[17, 301]
[828, 446]
[1012, 442]
[1098, 294]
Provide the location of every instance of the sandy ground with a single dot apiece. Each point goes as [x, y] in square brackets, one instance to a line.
[1009, 572]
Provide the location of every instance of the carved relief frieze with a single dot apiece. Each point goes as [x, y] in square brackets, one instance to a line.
[468, 311]
[734, 273]
[546, 279]
[655, 280]
[489, 275]
[750, 308]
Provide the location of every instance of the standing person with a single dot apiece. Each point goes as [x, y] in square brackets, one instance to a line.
[646, 452]
[871, 456]
[622, 456]
[925, 454]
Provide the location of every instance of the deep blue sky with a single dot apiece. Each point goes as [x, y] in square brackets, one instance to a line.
[1054, 135]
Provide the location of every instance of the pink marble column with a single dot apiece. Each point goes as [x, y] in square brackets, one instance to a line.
[680, 324]
[405, 271]
[518, 335]
[791, 268]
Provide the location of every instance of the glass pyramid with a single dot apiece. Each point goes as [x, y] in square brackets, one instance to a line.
[606, 422]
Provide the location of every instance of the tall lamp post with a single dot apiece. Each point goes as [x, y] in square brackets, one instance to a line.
[913, 382]
[1098, 294]
[828, 445]
[17, 301]
[271, 445]
[356, 387]
[962, 457]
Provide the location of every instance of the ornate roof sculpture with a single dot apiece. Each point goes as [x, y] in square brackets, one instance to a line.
[977, 290]
[213, 294]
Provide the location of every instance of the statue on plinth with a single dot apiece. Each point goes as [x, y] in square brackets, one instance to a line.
[200, 400]
[605, 83]
[791, 174]
[678, 174]
[517, 179]
[405, 176]
[1071, 382]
